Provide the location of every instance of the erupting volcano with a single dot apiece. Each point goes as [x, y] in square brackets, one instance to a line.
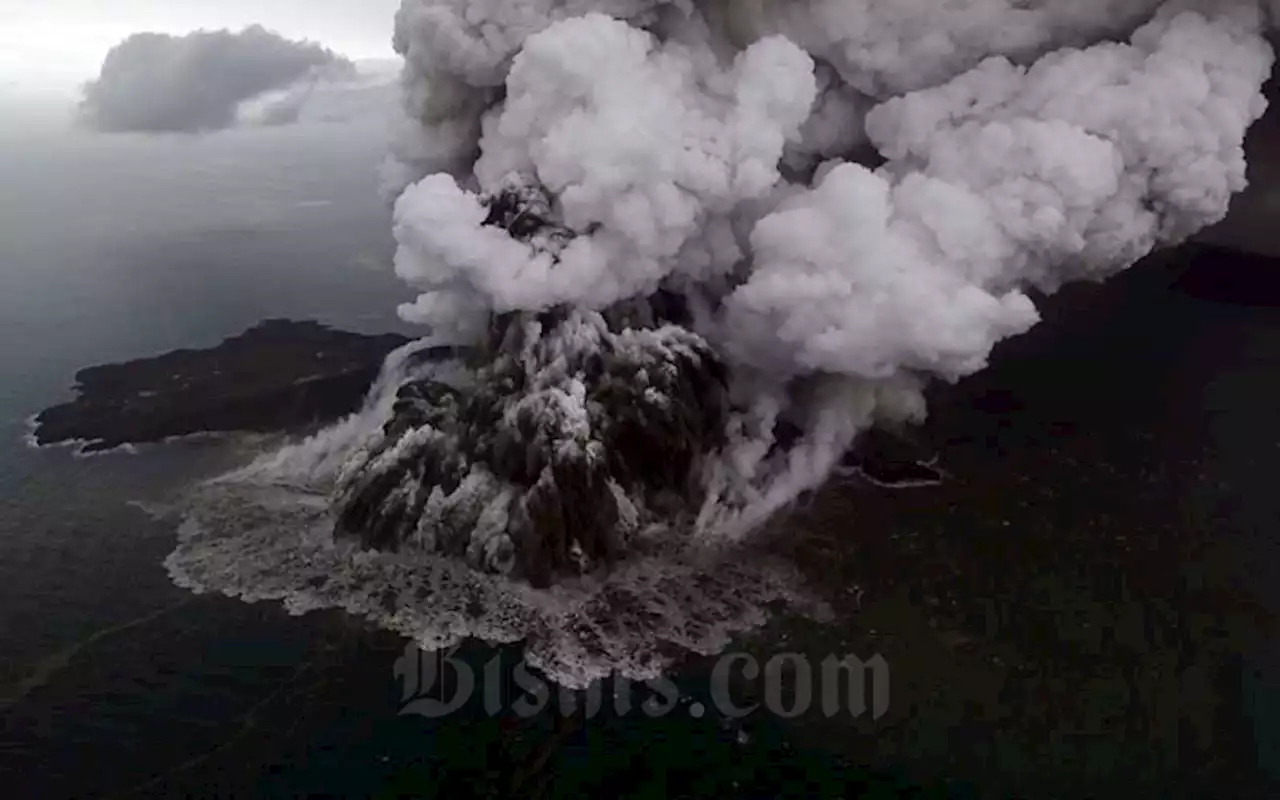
[572, 432]
[674, 255]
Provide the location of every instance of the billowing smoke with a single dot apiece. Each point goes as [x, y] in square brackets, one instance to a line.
[697, 149]
[676, 254]
[197, 82]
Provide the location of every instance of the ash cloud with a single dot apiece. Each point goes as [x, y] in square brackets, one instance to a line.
[1018, 146]
[154, 82]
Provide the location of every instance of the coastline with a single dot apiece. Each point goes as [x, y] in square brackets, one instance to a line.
[279, 376]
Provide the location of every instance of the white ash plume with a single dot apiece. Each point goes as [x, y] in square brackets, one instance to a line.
[1001, 178]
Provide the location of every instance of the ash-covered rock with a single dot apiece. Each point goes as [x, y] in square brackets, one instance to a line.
[550, 458]
[523, 209]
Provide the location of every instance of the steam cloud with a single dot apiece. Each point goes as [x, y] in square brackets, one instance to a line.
[156, 82]
[686, 250]
[660, 138]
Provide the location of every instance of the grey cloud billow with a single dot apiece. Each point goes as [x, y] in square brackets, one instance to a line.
[197, 82]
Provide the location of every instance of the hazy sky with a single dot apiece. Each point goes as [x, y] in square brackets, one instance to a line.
[58, 44]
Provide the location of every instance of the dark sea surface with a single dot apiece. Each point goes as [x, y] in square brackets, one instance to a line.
[1080, 610]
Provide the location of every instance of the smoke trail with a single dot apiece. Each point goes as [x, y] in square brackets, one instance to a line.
[682, 283]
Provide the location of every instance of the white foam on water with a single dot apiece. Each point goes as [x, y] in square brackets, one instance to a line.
[255, 540]
[80, 447]
[126, 449]
[861, 474]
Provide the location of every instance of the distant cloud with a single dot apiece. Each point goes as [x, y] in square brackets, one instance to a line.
[197, 82]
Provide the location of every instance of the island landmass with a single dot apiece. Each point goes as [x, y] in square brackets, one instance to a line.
[278, 376]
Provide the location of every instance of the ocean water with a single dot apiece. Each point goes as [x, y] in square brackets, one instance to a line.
[111, 249]
[1060, 616]
[113, 681]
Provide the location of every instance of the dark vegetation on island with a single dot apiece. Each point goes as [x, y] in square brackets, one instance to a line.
[280, 375]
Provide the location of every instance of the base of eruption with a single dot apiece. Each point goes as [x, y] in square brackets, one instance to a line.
[559, 445]
[542, 485]
[266, 533]
[575, 438]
